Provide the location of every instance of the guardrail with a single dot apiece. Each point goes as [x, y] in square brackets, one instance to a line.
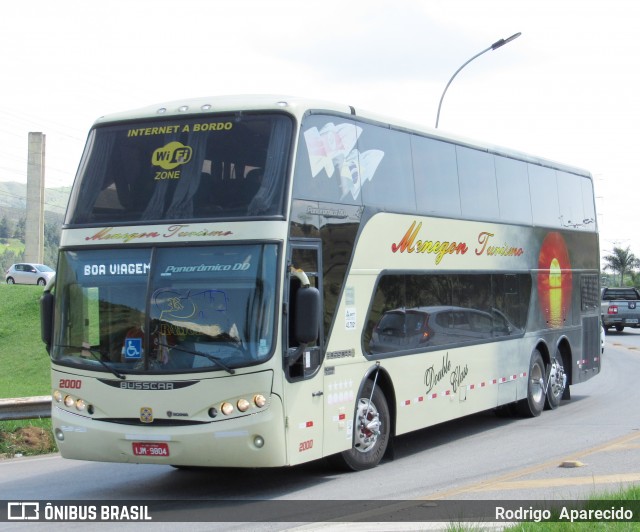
[25, 408]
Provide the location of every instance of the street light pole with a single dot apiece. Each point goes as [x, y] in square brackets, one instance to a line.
[494, 46]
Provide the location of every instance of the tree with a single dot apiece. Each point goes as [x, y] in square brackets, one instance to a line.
[5, 229]
[621, 261]
[20, 229]
[7, 259]
[51, 242]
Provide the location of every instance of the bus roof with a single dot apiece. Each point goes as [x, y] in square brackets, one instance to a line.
[298, 107]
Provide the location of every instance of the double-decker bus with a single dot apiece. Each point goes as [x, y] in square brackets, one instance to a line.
[263, 281]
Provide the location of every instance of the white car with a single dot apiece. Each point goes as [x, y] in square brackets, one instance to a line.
[29, 273]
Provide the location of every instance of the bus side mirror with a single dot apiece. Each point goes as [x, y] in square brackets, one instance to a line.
[307, 315]
[46, 318]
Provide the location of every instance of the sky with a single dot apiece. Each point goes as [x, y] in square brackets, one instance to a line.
[566, 89]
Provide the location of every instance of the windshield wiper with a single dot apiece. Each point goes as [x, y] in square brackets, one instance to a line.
[93, 354]
[213, 358]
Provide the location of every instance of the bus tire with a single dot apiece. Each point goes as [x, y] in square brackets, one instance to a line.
[372, 429]
[533, 404]
[556, 385]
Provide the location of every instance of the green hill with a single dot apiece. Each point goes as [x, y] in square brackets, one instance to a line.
[13, 197]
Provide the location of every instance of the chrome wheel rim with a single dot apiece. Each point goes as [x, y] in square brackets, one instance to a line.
[556, 378]
[368, 426]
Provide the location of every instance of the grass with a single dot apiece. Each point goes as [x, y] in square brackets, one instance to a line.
[26, 438]
[12, 244]
[24, 369]
[602, 501]
[24, 362]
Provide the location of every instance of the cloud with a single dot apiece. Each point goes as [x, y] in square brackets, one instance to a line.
[364, 43]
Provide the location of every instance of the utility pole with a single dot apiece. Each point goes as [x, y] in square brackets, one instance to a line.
[34, 226]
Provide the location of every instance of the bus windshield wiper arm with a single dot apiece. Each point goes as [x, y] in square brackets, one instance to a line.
[93, 354]
[213, 358]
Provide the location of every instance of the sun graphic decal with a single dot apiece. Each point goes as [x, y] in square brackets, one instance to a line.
[554, 280]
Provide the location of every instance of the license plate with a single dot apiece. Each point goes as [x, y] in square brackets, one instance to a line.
[632, 320]
[150, 449]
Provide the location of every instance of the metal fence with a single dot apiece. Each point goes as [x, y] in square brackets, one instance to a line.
[25, 408]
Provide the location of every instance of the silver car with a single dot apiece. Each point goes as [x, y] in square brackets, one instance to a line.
[29, 273]
[422, 327]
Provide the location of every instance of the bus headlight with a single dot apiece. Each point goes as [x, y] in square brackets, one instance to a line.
[73, 402]
[241, 405]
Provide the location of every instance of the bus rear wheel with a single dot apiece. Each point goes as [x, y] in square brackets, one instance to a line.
[557, 383]
[371, 431]
[533, 405]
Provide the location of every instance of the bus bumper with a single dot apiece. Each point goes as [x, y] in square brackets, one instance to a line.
[257, 440]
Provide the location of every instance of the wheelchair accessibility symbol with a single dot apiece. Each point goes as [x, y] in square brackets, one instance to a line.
[133, 348]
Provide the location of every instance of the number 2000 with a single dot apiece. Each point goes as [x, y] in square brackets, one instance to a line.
[71, 384]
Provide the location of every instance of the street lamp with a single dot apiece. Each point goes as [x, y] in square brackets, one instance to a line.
[494, 46]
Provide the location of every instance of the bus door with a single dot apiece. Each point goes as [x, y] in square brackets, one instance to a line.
[303, 355]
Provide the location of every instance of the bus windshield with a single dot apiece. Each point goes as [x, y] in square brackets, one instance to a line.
[160, 310]
[220, 166]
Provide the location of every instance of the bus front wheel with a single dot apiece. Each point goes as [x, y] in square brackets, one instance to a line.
[371, 430]
[533, 405]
